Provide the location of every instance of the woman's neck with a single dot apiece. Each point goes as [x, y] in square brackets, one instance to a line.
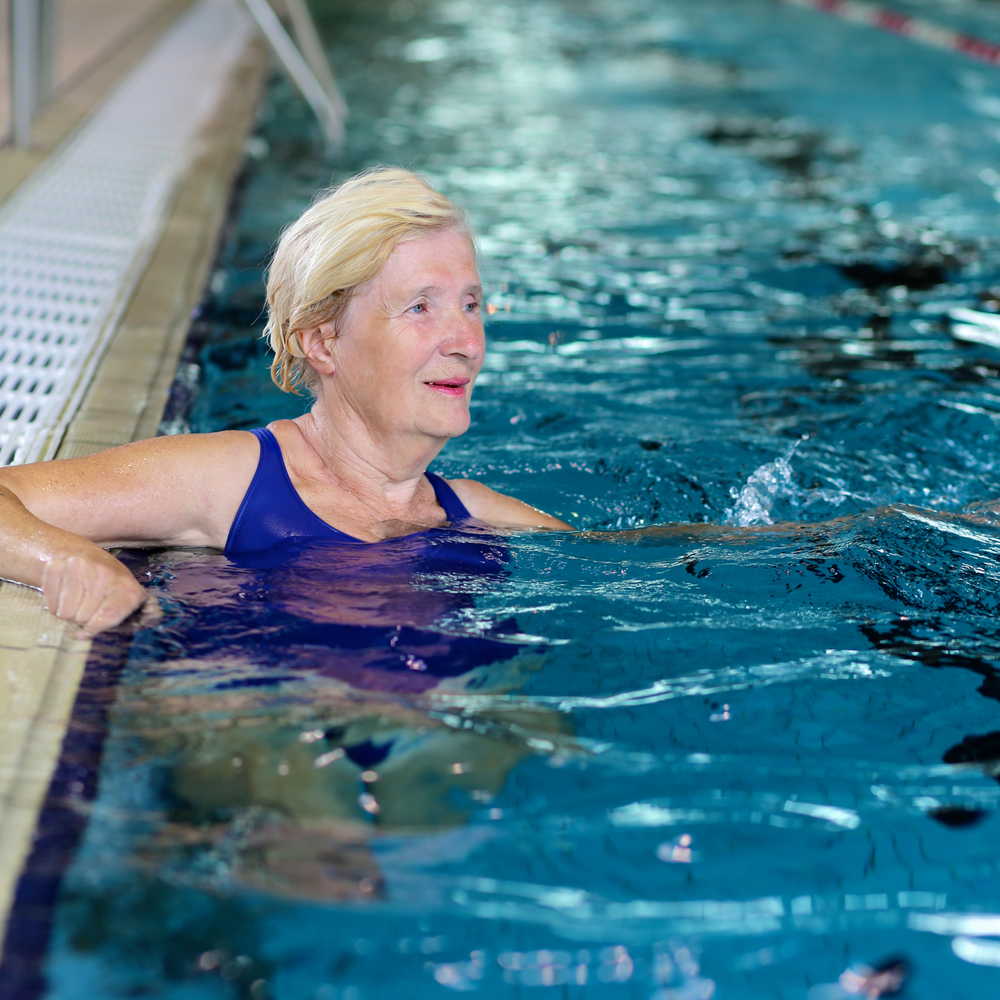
[383, 474]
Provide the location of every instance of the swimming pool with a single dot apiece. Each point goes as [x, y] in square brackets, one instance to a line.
[721, 243]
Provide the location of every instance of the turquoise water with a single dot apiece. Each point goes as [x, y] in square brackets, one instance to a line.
[732, 758]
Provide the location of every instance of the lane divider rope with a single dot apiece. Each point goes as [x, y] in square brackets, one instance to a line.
[913, 28]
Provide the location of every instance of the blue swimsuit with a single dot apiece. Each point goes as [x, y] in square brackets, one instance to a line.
[305, 598]
[272, 511]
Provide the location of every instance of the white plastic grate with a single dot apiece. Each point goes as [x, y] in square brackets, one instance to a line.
[76, 236]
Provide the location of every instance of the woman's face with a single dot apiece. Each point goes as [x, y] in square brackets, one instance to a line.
[411, 343]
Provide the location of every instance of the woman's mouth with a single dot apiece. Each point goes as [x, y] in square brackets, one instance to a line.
[450, 386]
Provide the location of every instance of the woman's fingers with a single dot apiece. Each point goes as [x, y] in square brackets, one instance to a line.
[68, 596]
[98, 612]
[54, 582]
[112, 611]
[95, 591]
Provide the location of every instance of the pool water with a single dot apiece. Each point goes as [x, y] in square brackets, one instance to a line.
[739, 735]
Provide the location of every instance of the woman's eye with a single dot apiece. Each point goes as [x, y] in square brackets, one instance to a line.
[471, 306]
[420, 307]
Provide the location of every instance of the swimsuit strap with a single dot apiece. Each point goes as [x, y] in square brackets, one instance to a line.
[453, 507]
[272, 510]
[235, 540]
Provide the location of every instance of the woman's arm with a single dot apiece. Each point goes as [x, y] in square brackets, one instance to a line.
[56, 516]
[502, 511]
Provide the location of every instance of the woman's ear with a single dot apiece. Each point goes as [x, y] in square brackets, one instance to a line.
[316, 342]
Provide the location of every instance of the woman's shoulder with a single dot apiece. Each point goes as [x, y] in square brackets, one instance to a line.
[172, 453]
[174, 490]
[500, 510]
[224, 453]
[208, 443]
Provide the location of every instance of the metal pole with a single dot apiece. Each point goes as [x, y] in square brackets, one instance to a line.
[47, 20]
[24, 68]
[331, 117]
[304, 29]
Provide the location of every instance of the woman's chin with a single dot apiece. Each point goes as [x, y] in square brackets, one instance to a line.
[447, 426]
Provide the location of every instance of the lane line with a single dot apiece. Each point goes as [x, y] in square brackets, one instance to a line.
[914, 28]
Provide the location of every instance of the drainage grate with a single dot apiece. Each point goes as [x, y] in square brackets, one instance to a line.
[76, 237]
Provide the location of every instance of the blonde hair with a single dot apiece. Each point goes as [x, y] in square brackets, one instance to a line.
[341, 241]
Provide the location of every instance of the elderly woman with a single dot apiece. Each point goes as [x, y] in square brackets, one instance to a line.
[374, 306]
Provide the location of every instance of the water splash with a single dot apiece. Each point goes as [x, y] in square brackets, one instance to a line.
[772, 482]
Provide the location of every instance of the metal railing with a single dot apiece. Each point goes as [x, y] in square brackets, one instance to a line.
[32, 61]
[305, 63]
[32, 41]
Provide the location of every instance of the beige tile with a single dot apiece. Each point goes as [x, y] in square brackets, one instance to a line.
[23, 680]
[86, 28]
[37, 688]
[123, 395]
[136, 363]
[92, 424]
[79, 449]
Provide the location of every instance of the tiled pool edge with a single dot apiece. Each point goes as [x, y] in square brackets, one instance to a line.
[62, 818]
[43, 664]
[43, 661]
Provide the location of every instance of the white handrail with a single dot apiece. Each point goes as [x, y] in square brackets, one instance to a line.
[304, 29]
[329, 107]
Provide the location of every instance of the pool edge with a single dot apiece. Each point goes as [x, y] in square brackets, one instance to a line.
[43, 659]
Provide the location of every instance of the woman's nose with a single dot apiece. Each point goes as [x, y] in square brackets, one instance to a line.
[466, 337]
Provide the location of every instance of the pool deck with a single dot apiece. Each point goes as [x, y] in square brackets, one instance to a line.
[42, 658]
